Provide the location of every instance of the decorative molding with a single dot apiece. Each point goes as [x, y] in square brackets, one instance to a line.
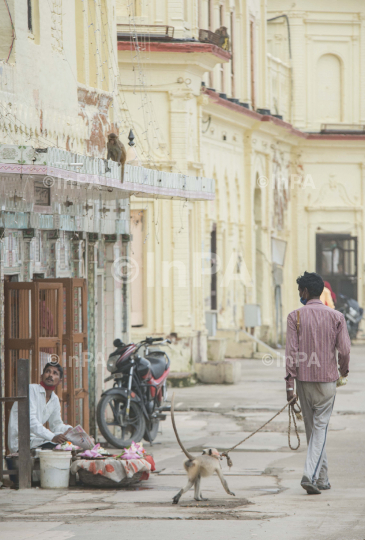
[333, 197]
[334, 208]
[185, 95]
[182, 48]
[329, 21]
[196, 165]
[202, 100]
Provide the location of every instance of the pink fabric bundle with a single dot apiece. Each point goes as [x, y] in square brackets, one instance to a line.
[93, 453]
[135, 451]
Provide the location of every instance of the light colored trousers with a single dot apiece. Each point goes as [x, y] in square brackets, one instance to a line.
[316, 401]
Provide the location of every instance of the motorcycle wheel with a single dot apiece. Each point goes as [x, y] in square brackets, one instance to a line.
[153, 426]
[109, 416]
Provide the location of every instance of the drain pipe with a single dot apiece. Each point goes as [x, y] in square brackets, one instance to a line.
[288, 27]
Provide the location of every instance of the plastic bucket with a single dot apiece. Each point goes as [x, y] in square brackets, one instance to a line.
[55, 468]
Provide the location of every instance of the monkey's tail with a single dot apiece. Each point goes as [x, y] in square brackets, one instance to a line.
[189, 456]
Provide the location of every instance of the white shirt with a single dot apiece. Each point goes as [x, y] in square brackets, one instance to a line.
[40, 412]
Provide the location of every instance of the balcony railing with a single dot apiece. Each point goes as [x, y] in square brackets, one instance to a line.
[151, 32]
[279, 87]
[207, 36]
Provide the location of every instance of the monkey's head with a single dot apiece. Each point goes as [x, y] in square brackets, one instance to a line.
[212, 452]
[112, 138]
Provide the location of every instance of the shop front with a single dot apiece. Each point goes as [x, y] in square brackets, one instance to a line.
[64, 247]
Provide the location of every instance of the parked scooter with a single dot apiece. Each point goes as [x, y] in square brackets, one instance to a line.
[133, 408]
[352, 312]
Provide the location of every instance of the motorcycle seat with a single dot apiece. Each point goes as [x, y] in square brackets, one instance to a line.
[158, 364]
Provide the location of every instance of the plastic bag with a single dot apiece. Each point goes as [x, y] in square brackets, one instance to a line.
[79, 437]
[341, 381]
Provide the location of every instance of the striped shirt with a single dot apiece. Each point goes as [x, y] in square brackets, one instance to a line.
[311, 356]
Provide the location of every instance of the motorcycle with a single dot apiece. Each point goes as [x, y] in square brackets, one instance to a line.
[352, 312]
[133, 408]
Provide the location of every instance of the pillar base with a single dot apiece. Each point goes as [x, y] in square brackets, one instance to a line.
[225, 372]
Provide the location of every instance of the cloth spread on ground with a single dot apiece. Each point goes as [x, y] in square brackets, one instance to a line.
[116, 469]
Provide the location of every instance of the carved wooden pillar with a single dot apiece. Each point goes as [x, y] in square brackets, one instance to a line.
[91, 323]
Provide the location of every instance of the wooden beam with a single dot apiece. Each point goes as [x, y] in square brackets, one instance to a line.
[7, 399]
[25, 466]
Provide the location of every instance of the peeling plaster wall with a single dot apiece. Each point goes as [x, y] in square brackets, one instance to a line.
[42, 99]
[94, 110]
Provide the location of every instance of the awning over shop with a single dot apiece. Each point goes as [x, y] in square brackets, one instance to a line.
[55, 164]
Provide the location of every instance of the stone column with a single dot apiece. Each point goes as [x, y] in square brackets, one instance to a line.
[360, 218]
[175, 12]
[249, 188]
[263, 86]
[78, 258]
[299, 89]
[179, 111]
[362, 68]
[28, 260]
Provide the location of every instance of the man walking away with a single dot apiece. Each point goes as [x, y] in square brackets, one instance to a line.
[314, 332]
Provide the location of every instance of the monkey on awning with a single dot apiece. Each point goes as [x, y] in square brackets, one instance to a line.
[116, 149]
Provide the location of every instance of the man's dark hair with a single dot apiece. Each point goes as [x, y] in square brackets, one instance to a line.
[312, 282]
[57, 366]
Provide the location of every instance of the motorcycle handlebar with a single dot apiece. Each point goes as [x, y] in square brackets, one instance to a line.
[150, 341]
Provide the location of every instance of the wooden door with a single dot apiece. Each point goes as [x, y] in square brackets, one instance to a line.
[33, 329]
[74, 393]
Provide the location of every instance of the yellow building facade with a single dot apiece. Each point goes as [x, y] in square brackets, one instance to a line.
[65, 226]
[276, 118]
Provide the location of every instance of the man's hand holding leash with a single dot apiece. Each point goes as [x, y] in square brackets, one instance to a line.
[290, 395]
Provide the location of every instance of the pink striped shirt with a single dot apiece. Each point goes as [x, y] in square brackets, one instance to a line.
[322, 330]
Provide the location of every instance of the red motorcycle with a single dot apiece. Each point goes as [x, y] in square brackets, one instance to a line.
[133, 408]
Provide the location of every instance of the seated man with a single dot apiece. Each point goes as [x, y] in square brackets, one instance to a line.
[44, 406]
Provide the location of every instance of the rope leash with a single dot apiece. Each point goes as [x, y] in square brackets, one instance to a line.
[294, 413]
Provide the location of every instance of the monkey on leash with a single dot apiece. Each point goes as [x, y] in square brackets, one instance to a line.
[199, 467]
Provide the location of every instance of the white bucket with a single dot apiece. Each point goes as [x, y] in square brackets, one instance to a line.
[55, 468]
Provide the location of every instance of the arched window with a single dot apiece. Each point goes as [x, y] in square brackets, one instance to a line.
[329, 89]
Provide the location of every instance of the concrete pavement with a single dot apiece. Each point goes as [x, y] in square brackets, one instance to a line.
[269, 502]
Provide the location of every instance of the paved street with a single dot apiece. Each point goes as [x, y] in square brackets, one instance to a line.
[269, 502]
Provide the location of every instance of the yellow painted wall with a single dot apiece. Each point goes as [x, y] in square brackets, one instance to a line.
[319, 84]
[72, 47]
